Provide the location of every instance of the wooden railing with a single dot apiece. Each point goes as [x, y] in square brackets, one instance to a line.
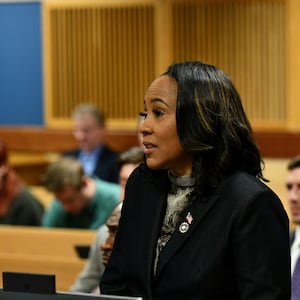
[43, 140]
[32, 148]
[40, 140]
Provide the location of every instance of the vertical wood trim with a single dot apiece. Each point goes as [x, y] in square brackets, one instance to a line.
[293, 64]
[47, 91]
[163, 36]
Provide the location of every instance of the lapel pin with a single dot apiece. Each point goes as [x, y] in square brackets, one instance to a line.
[184, 227]
[189, 218]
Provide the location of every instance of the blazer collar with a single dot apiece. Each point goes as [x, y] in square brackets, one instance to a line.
[186, 228]
[157, 186]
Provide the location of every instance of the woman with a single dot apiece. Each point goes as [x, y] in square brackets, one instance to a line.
[197, 220]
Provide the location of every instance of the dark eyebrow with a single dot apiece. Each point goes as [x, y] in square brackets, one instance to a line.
[159, 100]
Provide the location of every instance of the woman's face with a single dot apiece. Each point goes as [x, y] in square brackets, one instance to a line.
[163, 149]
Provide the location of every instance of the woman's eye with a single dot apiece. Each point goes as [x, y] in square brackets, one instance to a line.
[158, 113]
[143, 115]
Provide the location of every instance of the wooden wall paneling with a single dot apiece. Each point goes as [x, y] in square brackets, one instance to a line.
[242, 38]
[163, 36]
[111, 70]
[278, 144]
[47, 59]
[293, 64]
[256, 42]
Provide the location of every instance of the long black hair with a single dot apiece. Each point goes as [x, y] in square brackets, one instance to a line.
[212, 124]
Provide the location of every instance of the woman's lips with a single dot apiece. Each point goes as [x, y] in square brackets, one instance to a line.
[149, 148]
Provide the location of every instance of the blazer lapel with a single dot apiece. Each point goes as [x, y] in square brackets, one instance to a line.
[152, 216]
[197, 212]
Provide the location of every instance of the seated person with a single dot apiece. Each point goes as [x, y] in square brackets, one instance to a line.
[81, 201]
[112, 224]
[96, 157]
[88, 279]
[18, 206]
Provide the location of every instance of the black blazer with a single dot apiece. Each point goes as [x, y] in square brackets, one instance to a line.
[237, 246]
[106, 166]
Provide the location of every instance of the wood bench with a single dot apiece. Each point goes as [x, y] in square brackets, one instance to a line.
[43, 250]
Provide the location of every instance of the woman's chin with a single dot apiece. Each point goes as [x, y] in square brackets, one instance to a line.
[153, 165]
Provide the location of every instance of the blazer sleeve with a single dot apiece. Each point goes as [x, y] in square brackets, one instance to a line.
[262, 269]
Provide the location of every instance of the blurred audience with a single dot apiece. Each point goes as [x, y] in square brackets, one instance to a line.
[96, 157]
[293, 197]
[112, 224]
[88, 279]
[82, 201]
[18, 206]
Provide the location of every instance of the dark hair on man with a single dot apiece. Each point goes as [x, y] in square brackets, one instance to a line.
[90, 109]
[294, 163]
[64, 171]
[212, 124]
[133, 155]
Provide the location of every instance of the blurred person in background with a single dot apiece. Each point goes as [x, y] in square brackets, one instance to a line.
[88, 279]
[18, 206]
[96, 157]
[81, 201]
[293, 197]
[112, 225]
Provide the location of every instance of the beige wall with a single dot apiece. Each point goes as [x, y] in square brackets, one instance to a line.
[276, 172]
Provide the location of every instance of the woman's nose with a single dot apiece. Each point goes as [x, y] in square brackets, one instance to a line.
[145, 127]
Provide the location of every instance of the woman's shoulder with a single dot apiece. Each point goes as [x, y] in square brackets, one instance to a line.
[245, 180]
[242, 185]
[244, 190]
[248, 195]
